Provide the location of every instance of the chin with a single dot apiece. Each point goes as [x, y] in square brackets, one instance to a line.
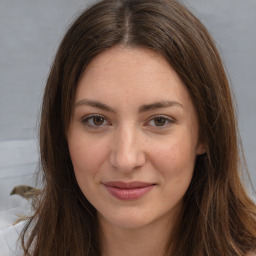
[128, 219]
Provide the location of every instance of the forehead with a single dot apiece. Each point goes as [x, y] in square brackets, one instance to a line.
[130, 71]
[127, 56]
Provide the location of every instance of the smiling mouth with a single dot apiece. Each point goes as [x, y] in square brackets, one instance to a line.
[128, 191]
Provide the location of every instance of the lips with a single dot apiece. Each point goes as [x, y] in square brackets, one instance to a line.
[128, 190]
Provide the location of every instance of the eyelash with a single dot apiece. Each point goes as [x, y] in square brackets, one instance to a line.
[167, 121]
[87, 119]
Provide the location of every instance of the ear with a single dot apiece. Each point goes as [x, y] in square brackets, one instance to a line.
[201, 149]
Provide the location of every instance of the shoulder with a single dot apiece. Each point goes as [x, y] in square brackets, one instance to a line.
[9, 240]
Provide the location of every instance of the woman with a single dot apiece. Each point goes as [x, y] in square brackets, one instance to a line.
[138, 140]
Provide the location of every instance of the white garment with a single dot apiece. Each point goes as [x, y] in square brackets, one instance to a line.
[9, 240]
[18, 160]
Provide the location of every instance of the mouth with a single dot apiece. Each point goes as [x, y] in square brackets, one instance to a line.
[128, 190]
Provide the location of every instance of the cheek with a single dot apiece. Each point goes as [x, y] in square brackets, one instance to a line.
[86, 158]
[176, 166]
[86, 163]
[175, 160]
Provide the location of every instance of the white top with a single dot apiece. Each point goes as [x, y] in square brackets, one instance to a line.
[18, 160]
[9, 240]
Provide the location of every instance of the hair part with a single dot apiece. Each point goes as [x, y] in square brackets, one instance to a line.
[218, 218]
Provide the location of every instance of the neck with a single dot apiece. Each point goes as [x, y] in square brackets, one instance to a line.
[150, 240]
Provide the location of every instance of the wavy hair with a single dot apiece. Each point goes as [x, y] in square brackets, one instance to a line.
[218, 217]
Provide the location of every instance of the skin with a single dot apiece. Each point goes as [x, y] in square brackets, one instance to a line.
[130, 142]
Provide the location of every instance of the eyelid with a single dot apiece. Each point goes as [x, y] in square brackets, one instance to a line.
[167, 118]
[84, 120]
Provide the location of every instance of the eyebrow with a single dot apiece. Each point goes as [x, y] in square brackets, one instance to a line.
[161, 104]
[143, 108]
[94, 104]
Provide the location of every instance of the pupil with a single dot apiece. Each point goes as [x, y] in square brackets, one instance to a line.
[97, 120]
[159, 121]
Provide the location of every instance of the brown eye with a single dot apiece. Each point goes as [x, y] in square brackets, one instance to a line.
[160, 121]
[95, 121]
[98, 120]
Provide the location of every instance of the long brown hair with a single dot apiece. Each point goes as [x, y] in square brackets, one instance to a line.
[218, 218]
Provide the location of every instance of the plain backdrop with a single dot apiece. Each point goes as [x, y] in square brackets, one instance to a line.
[30, 31]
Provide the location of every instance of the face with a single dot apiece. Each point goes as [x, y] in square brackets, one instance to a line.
[133, 137]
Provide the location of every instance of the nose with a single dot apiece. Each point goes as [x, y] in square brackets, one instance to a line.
[127, 153]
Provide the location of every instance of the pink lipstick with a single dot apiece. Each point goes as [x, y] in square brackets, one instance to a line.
[128, 191]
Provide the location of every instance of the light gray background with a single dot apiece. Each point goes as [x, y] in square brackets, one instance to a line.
[30, 32]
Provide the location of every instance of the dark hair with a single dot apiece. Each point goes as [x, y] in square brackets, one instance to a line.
[218, 218]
